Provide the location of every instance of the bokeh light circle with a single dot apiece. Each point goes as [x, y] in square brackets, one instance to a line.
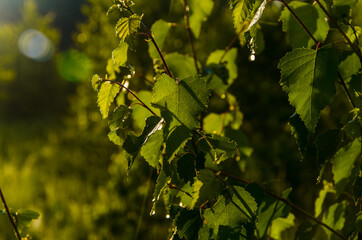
[74, 66]
[35, 45]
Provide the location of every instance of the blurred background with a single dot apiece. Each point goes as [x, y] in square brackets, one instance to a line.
[55, 156]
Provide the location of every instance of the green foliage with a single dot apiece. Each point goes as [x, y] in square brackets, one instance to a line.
[203, 201]
[200, 10]
[160, 30]
[195, 124]
[308, 78]
[343, 163]
[312, 17]
[128, 26]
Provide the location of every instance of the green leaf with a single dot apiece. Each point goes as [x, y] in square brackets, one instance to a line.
[312, 17]
[243, 10]
[318, 205]
[119, 55]
[223, 147]
[161, 183]
[335, 217]
[200, 10]
[305, 231]
[206, 187]
[231, 211]
[188, 223]
[24, 217]
[133, 144]
[349, 66]
[181, 66]
[308, 78]
[359, 222]
[159, 30]
[241, 140]
[120, 118]
[269, 210]
[217, 83]
[127, 26]
[96, 82]
[343, 163]
[106, 96]
[300, 132]
[180, 103]
[279, 225]
[152, 149]
[139, 112]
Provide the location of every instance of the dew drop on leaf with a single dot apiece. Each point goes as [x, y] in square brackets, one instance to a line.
[252, 57]
[181, 205]
[153, 212]
[167, 216]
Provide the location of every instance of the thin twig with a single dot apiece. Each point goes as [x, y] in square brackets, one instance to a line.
[354, 47]
[300, 21]
[179, 189]
[189, 33]
[228, 47]
[296, 208]
[154, 43]
[17, 234]
[343, 83]
[131, 92]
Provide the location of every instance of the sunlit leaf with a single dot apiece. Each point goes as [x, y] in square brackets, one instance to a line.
[279, 225]
[159, 30]
[106, 96]
[181, 66]
[308, 78]
[119, 55]
[206, 187]
[127, 26]
[200, 10]
[335, 217]
[343, 163]
[312, 17]
[180, 103]
[231, 211]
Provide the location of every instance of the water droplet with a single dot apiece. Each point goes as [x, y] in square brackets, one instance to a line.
[252, 57]
[129, 76]
[167, 216]
[153, 212]
[181, 205]
[153, 200]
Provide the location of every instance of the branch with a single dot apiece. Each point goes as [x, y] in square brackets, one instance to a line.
[189, 33]
[131, 92]
[300, 21]
[154, 43]
[343, 83]
[228, 47]
[354, 47]
[296, 208]
[17, 234]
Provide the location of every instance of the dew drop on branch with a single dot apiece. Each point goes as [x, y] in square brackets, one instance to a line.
[168, 216]
[153, 212]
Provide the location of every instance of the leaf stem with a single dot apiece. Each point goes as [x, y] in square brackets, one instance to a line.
[353, 46]
[17, 234]
[154, 43]
[228, 47]
[131, 92]
[300, 21]
[296, 208]
[189, 33]
[343, 83]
